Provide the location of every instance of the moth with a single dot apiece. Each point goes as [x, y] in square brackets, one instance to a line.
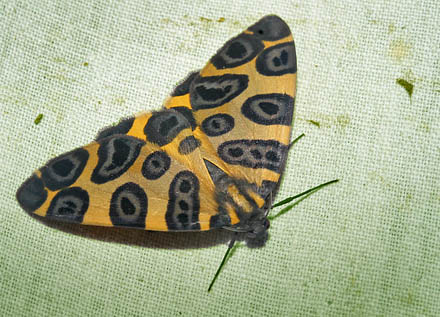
[211, 158]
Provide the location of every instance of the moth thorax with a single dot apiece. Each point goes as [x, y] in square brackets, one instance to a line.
[241, 201]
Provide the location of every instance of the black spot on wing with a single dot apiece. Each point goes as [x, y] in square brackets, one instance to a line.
[188, 145]
[214, 91]
[183, 87]
[121, 128]
[269, 109]
[155, 165]
[218, 124]
[69, 205]
[65, 169]
[237, 51]
[270, 28]
[183, 204]
[115, 156]
[128, 206]
[188, 114]
[31, 194]
[164, 126]
[277, 60]
[268, 154]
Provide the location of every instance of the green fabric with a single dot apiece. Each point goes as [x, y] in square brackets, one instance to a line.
[368, 245]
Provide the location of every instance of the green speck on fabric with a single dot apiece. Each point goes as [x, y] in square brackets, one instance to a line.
[38, 119]
[407, 85]
[316, 123]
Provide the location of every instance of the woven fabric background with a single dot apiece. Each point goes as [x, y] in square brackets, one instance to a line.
[366, 246]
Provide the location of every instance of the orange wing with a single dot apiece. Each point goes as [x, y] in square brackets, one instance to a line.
[159, 170]
[242, 102]
[156, 183]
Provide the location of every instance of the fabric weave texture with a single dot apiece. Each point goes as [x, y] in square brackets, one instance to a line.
[366, 246]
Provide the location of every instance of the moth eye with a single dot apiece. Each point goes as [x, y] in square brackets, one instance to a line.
[69, 205]
[270, 28]
[155, 165]
[277, 60]
[64, 170]
[211, 92]
[32, 194]
[164, 126]
[121, 128]
[128, 206]
[188, 145]
[237, 51]
[269, 109]
[254, 153]
[184, 204]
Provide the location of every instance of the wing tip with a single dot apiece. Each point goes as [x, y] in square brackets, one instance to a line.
[270, 28]
[31, 195]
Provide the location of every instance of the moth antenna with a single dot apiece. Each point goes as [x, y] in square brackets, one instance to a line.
[230, 246]
[308, 191]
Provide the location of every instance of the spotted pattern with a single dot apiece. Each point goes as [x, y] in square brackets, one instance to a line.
[269, 109]
[115, 156]
[121, 128]
[128, 206]
[188, 145]
[270, 28]
[69, 205]
[214, 91]
[183, 204]
[115, 153]
[65, 169]
[183, 87]
[155, 165]
[188, 114]
[164, 126]
[31, 194]
[237, 51]
[277, 60]
[218, 124]
[268, 154]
